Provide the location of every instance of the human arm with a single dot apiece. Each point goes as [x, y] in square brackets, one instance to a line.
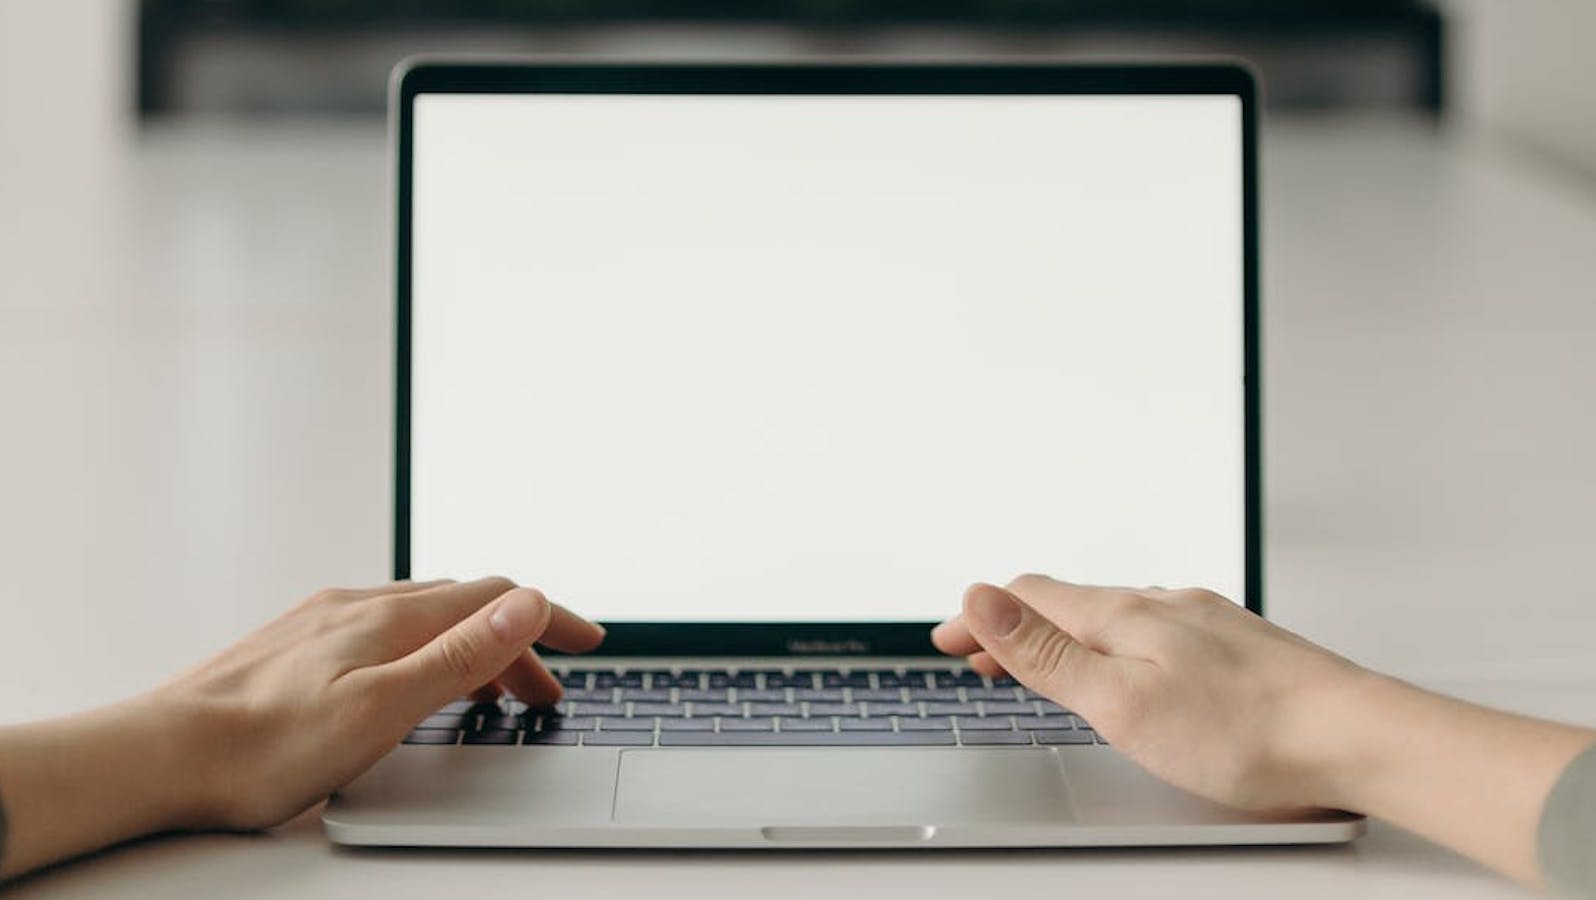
[1220, 702]
[277, 722]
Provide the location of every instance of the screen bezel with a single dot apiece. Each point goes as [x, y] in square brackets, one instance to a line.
[816, 638]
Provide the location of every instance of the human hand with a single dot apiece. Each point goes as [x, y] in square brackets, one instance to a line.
[276, 722]
[300, 707]
[1198, 690]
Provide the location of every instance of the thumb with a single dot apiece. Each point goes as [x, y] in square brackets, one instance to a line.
[1038, 653]
[473, 651]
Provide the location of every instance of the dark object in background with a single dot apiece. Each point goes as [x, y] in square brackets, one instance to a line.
[316, 56]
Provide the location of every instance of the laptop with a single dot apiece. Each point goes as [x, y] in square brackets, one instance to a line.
[760, 366]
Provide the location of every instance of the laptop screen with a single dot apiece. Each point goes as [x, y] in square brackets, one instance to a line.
[700, 358]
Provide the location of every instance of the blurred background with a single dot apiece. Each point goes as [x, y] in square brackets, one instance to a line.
[195, 299]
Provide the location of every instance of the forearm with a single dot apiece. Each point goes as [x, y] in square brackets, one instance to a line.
[1469, 778]
[76, 784]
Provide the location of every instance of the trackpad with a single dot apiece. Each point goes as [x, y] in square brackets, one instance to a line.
[840, 786]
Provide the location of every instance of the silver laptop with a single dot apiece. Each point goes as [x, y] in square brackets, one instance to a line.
[761, 365]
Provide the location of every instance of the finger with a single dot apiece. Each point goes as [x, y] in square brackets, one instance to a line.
[953, 638]
[570, 633]
[471, 653]
[1038, 653]
[431, 611]
[531, 681]
[392, 587]
[1107, 619]
[488, 693]
[987, 665]
[423, 614]
[407, 586]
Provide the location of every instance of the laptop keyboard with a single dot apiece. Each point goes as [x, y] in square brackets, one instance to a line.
[767, 707]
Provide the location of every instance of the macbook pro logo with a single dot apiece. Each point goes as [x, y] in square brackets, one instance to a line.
[817, 645]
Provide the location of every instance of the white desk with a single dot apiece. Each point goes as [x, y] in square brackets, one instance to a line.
[194, 382]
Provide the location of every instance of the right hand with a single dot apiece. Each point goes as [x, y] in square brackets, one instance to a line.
[1195, 688]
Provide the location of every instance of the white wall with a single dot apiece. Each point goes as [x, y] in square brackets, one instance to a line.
[66, 91]
[1526, 70]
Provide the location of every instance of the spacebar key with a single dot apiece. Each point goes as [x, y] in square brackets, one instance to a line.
[805, 738]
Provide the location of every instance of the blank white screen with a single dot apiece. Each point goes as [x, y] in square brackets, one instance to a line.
[710, 358]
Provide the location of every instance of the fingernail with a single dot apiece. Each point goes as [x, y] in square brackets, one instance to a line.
[996, 611]
[516, 616]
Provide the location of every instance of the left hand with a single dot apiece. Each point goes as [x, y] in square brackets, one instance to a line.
[279, 720]
[299, 708]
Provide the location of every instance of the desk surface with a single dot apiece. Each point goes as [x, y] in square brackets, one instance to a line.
[194, 378]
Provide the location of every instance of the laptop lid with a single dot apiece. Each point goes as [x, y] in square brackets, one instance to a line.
[775, 359]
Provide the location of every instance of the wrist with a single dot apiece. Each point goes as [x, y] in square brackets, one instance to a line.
[184, 743]
[92, 779]
[1346, 726]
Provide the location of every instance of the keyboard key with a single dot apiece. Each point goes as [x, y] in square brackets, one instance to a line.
[667, 680]
[591, 695]
[618, 679]
[892, 709]
[1049, 708]
[940, 695]
[999, 708]
[490, 737]
[567, 723]
[1032, 723]
[610, 723]
[878, 695]
[432, 736]
[794, 680]
[964, 678]
[686, 724]
[985, 723]
[1006, 681]
[988, 738]
[745, 695]
[775, 709]
[752, 724]
[1063, 737]
[658, 709]
[597, 709]
[806, 739]
[845, 679]
[646, 695]
[552, 738]
[716, 709]
[451, 722]
[570, 680]
[900, 680]
[993, 693]
[712, 695]
[951, 709]
[864, 724]
[834, 709]
[727, 679]
[930, 723]
[793, 724]
[820, 695]
[617, 739]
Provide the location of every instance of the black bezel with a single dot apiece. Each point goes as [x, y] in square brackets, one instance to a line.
[807, 638]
